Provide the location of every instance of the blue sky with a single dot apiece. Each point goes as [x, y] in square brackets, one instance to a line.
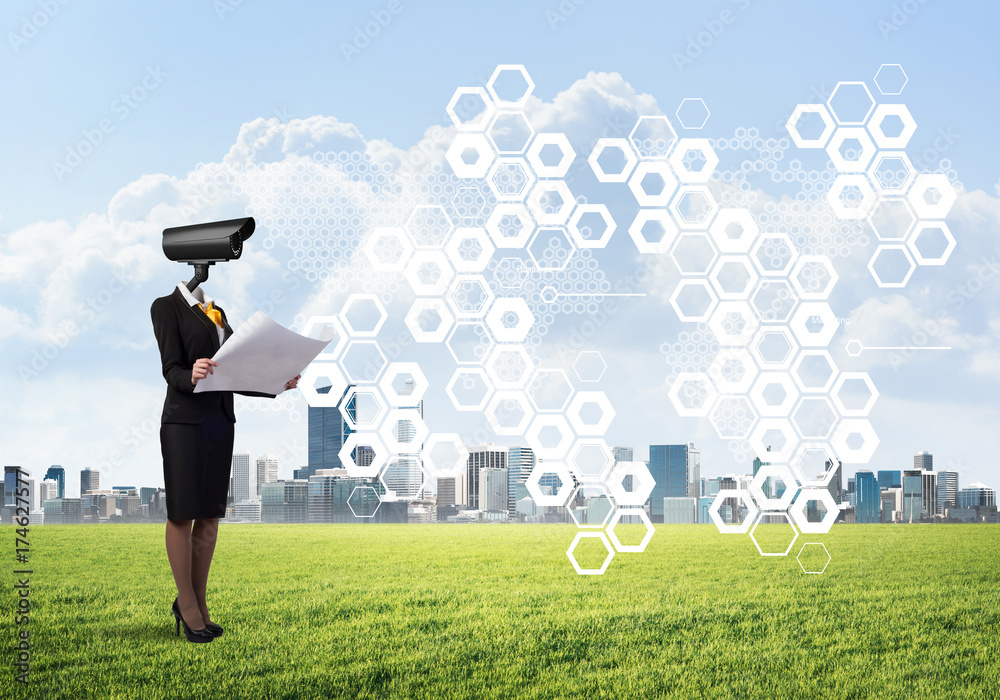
[211, 68]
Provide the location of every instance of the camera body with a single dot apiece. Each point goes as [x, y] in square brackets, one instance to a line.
[217, 241]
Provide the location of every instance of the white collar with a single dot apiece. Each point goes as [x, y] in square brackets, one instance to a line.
[198, 296]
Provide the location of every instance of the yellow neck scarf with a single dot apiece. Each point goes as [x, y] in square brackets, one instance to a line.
[212, 313]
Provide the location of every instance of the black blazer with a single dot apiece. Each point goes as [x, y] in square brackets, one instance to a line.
[185, 334]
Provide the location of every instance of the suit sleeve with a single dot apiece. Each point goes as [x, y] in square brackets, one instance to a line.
[168, 338]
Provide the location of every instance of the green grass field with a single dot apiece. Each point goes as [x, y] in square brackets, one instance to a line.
[463, 611]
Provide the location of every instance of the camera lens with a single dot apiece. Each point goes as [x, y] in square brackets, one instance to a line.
[236, 243]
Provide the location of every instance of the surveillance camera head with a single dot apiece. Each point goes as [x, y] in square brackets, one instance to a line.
[202, 245]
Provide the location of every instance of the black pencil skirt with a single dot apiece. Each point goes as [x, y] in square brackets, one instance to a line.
[197, 463]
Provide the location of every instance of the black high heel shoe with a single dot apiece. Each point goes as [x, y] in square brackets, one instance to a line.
[196, 636]
[215, 629]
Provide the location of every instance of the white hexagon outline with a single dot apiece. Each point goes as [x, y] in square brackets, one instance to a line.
[795, 535]
[542, 187]
[550, 420]
[454, 330]
[557, 139]
[429, 304]
[882, 247]
[915, 234]
[693, 234]
[770, 378]
[630, 159]
[674, 394]
[363, 341]
[800, 319]
[885, 155]
[358, 296]
[589, 352]
[798, 510]
[804, 260]
[493, 120]
[602, 445]
[793, 346]
[868, 196]
[813, 445]
[379, 461]
[525, 319]
[388, 428]
[800, 358]
[839, 385]
[527, 79]
[579, 400]
[455, 155]
[730, 215]
[677, 113]
[464, 371]
[590, 572]
[615, 521]
[377, 497]
[793, 120]
[892, 200]
[484, 117]
[465, 233]
[639, 493]
[759, 243]
[894, 110]
[338, 382]
[515, 209]
[574, 225]
[658, 117]
[681, 150]
[371, 390]
[779, 471]
[437, 258]
[517, 196]
[844, 452]
[801, 566]
[494, 404]
[785, 427]
[685, 190]
[906, 79]
[381, 232]
[744, 432]
[395, 369]
[538, 263]
[653, 167]
[340, 337]
[793, 299]
[546, 370]
[551, 500]
[516, 348]
[694, 283]
[732, 528]
[607, 518]
[834, 92]
[488, 295]
[813, 398]
[409, 221]
[670, 231]
[859, 164]
[725, 260]
[750, 372]
[461, 462]
[942, 184]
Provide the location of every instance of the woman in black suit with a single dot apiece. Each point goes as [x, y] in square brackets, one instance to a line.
[196, 441]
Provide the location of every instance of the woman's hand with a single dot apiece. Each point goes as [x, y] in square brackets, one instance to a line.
[202, 368]
[292, 383]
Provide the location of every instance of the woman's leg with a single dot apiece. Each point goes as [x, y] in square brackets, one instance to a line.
[179, 554]
[203, 537]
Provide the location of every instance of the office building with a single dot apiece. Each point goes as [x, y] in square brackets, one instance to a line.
[890, 479]
[63, 511]
[284, 501]
[452, 490]
[493, 490]
[924, 460]
[947, 491]
[330, 490]
[129, 505]
[676, 471]
[977, 495]
[12, 475]
[247, 511]
[267, 471]
[146, 494]
[241, 487]
[58, 474]
[520, 462]
[929, 506]
[679, 510]
[868, 498]
[892, 504]
[404, 478]
[487, 456]
[704, 504]
[327, 432]
[46, 490]
[913, 495]
[90, 480]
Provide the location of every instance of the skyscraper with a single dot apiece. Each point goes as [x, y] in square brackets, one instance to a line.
[327, 432]
[977, 495]
[913, 495]
[403, 475]
[868, 498]
[267, 471]
[924, 460]
[242, 487]
[676, 471]
[890, 479]
[520, 462]
[58, 474]
[46, 490]
[90, 480]
[493, 489]
[482, 457]
[929, 506]
[624, 454]
[947, 490]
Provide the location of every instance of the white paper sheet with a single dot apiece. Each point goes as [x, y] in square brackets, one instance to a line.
[262, 355]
